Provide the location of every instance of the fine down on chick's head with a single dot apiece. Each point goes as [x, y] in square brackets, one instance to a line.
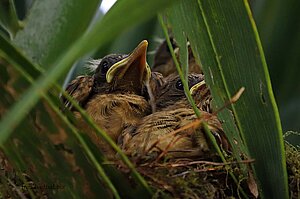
[116, 95]
[156, 133]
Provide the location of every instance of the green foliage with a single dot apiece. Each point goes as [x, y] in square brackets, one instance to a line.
[8, 17]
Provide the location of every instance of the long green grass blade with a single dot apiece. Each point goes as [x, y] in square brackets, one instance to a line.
[224, 39]
[110, 26]
[8, 17]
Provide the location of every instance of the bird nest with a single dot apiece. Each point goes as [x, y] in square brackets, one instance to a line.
[210, 177]
[196, 178]
[293, 169]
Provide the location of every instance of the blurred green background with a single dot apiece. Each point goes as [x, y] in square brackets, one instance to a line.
[279, 27]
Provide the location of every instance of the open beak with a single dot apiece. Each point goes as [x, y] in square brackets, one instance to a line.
[197, 87]
[133, 71]
[201, 95]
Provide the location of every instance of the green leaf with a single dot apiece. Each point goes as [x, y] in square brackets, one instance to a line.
[52, 26]
[224, 39]
[8, 17]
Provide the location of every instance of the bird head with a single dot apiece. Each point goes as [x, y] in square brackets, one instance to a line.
[172, 91]
[118, 73]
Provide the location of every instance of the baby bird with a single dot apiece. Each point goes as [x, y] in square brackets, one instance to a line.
[160, 132]
[114, 95]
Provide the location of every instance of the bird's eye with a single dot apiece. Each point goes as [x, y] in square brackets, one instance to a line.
[104, 67]
[179, 85]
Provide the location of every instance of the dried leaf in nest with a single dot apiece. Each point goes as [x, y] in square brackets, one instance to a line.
[252, 184]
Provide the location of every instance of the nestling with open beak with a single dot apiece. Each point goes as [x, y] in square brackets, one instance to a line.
[114, 95]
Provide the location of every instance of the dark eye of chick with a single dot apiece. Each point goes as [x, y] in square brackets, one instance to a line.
[104, 67]
[179, 85]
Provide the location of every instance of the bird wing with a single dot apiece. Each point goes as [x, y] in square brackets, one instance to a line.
[155, 134]
[79, 89]
[165, 131]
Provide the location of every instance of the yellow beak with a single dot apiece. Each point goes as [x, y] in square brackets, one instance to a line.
[197, 86]
[133, 69]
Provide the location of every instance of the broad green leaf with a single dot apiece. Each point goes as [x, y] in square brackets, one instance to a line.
[52, 26]
[224, 39]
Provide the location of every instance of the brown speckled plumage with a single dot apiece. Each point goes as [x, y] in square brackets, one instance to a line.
[174, 112]
[80, 89]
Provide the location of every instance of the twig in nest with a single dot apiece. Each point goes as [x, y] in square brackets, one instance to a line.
[208, 163]
[196, 170]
